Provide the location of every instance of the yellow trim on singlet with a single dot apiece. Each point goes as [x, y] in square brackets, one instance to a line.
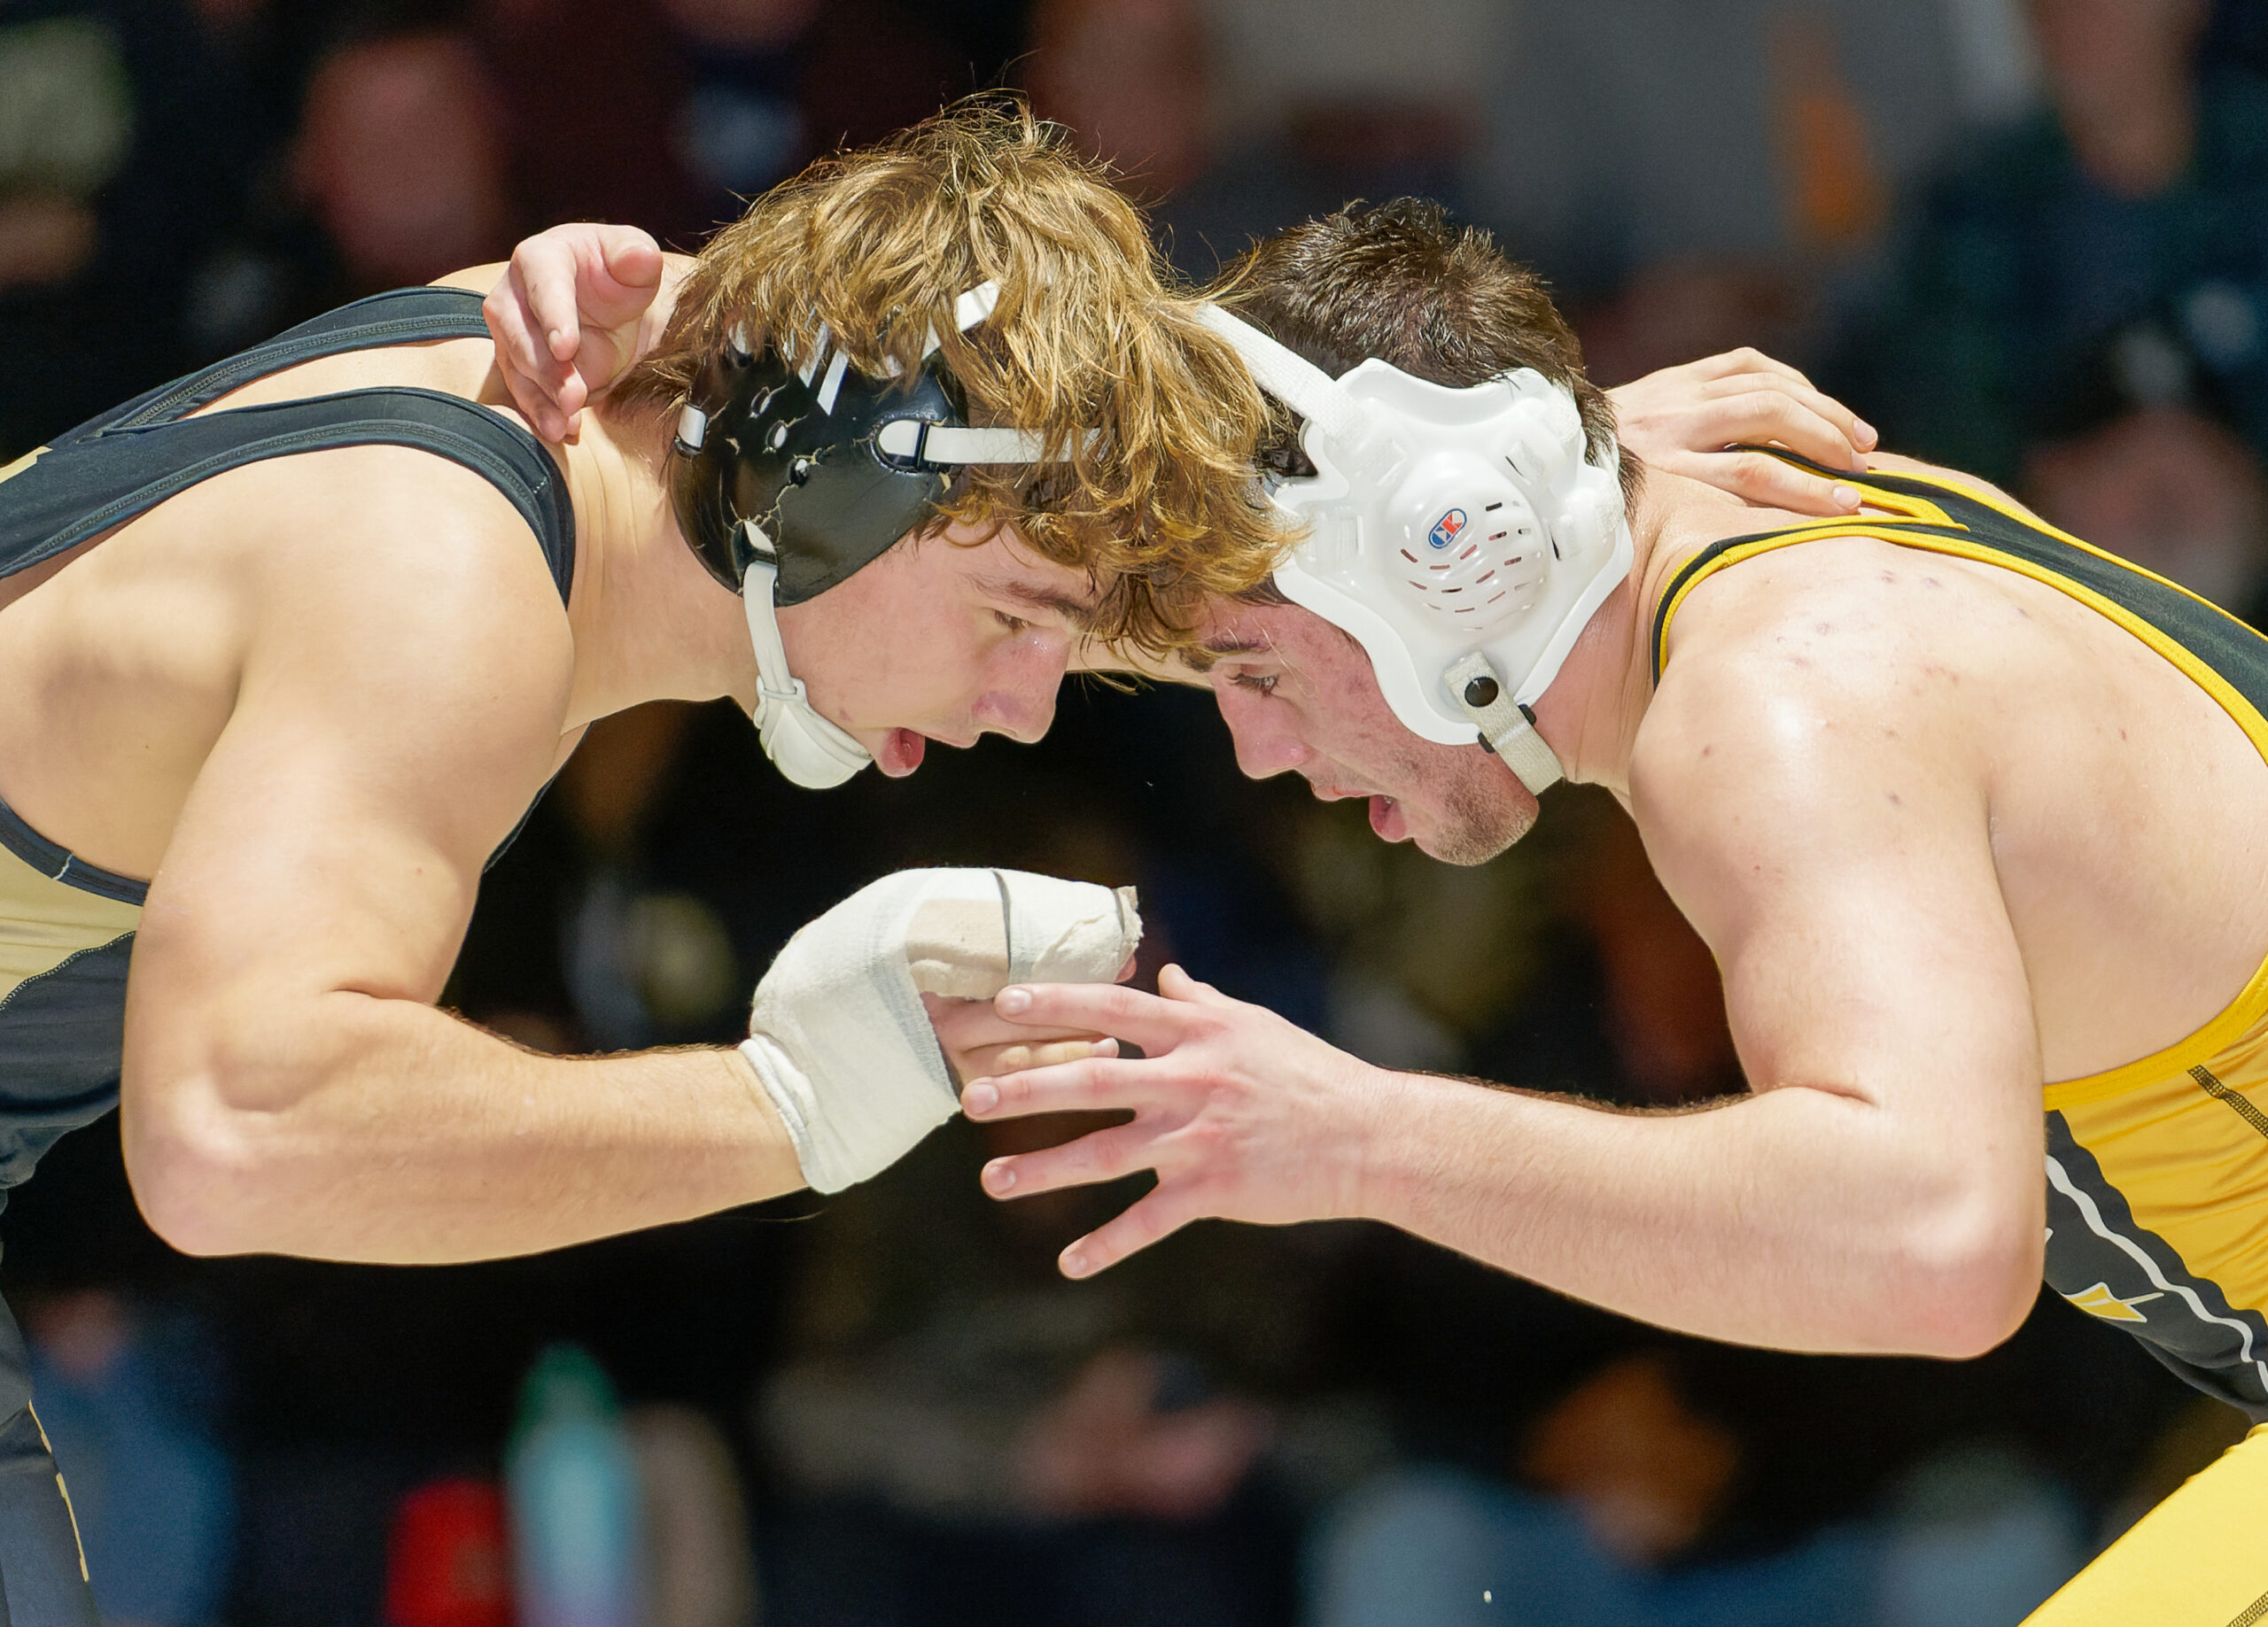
[2250, 1005]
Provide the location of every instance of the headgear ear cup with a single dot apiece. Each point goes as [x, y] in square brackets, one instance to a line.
[1464, 538]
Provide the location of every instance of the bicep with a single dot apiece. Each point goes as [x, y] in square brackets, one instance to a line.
[1844, 879]
[378, 750]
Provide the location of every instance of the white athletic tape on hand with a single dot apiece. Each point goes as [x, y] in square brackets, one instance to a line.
[838, 1036]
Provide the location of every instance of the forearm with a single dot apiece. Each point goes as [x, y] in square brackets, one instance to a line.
[384, 1130]
[1799, 1218]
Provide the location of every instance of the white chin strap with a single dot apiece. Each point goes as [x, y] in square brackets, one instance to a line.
[1504, 723]
[810, 751]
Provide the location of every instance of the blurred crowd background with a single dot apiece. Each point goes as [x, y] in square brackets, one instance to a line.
[2028, 238]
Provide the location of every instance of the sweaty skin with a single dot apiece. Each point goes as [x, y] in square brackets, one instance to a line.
[1949, 834]
[308, 698]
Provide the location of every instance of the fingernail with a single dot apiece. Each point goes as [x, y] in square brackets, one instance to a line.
[999, 1178]
[1075, 1265]
[1011, 1001]
[1845, 496]
[979, 1098]
[1866, 431]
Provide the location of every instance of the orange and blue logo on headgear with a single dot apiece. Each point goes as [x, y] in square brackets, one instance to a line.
[1448, 529]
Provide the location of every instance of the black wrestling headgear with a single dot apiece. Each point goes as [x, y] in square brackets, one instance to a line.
[793, 479]
[830, 465]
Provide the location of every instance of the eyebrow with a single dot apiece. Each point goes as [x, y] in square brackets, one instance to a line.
[1078, 612]
[1203, 658]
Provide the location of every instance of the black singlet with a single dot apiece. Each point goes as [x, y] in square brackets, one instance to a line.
[66, 926]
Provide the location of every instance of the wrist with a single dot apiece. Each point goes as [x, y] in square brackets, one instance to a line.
[1409, 1119]
[1377, 1142]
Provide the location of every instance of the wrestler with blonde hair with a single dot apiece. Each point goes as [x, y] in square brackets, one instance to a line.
[290, 645]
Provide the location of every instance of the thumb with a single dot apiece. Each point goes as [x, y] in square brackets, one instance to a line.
[633, 257]
[621, 278]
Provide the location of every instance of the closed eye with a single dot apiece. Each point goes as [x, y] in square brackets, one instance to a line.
[1258, 683]
[1013, 624]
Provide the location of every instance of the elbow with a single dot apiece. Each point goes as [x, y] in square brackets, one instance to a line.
[193, 1163]
[1972, 1274]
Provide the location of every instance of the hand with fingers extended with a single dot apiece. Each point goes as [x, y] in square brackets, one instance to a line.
[1692, 420]
[577, 306]
[979, 1043]
[1242, 1116]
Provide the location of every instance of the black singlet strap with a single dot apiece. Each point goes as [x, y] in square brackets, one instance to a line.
[119, 466]
[1978, 528]
[399, 317]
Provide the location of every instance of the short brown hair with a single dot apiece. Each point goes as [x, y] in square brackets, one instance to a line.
[1402, 282]
[1160, 509]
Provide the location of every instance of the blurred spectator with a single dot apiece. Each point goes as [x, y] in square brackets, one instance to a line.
[643, 963]
[667, 113]
[2169, 489]
[1163, 89]
[2119, 230]
[964, 1437]
[593, 92]
[123, 158]
[1134, 79]
[1661, 1003]
[402, 156]
[1759, 134]
[133, 1433]
[699, 1569]
[1624, 1477]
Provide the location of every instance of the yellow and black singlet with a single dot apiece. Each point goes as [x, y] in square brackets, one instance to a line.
[2157, 1172]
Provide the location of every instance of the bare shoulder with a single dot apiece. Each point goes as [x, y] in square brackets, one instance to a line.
[417, 577]
[1818, 701]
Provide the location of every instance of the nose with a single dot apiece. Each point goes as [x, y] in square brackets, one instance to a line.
[1266, 745]
[1021, 704]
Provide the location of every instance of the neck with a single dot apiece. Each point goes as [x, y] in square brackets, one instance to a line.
[650, 622]
[1590, 714]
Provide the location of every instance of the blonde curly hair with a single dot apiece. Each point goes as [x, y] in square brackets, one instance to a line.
[1160, 507]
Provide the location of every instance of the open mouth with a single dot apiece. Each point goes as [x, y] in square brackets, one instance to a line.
[1388, 820]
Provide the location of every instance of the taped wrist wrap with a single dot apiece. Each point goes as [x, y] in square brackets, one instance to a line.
[838, 1035]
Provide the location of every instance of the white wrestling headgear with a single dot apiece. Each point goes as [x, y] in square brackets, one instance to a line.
[1462, 537]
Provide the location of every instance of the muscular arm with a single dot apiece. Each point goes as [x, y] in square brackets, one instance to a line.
[288, 1086]
[1880, 1190]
